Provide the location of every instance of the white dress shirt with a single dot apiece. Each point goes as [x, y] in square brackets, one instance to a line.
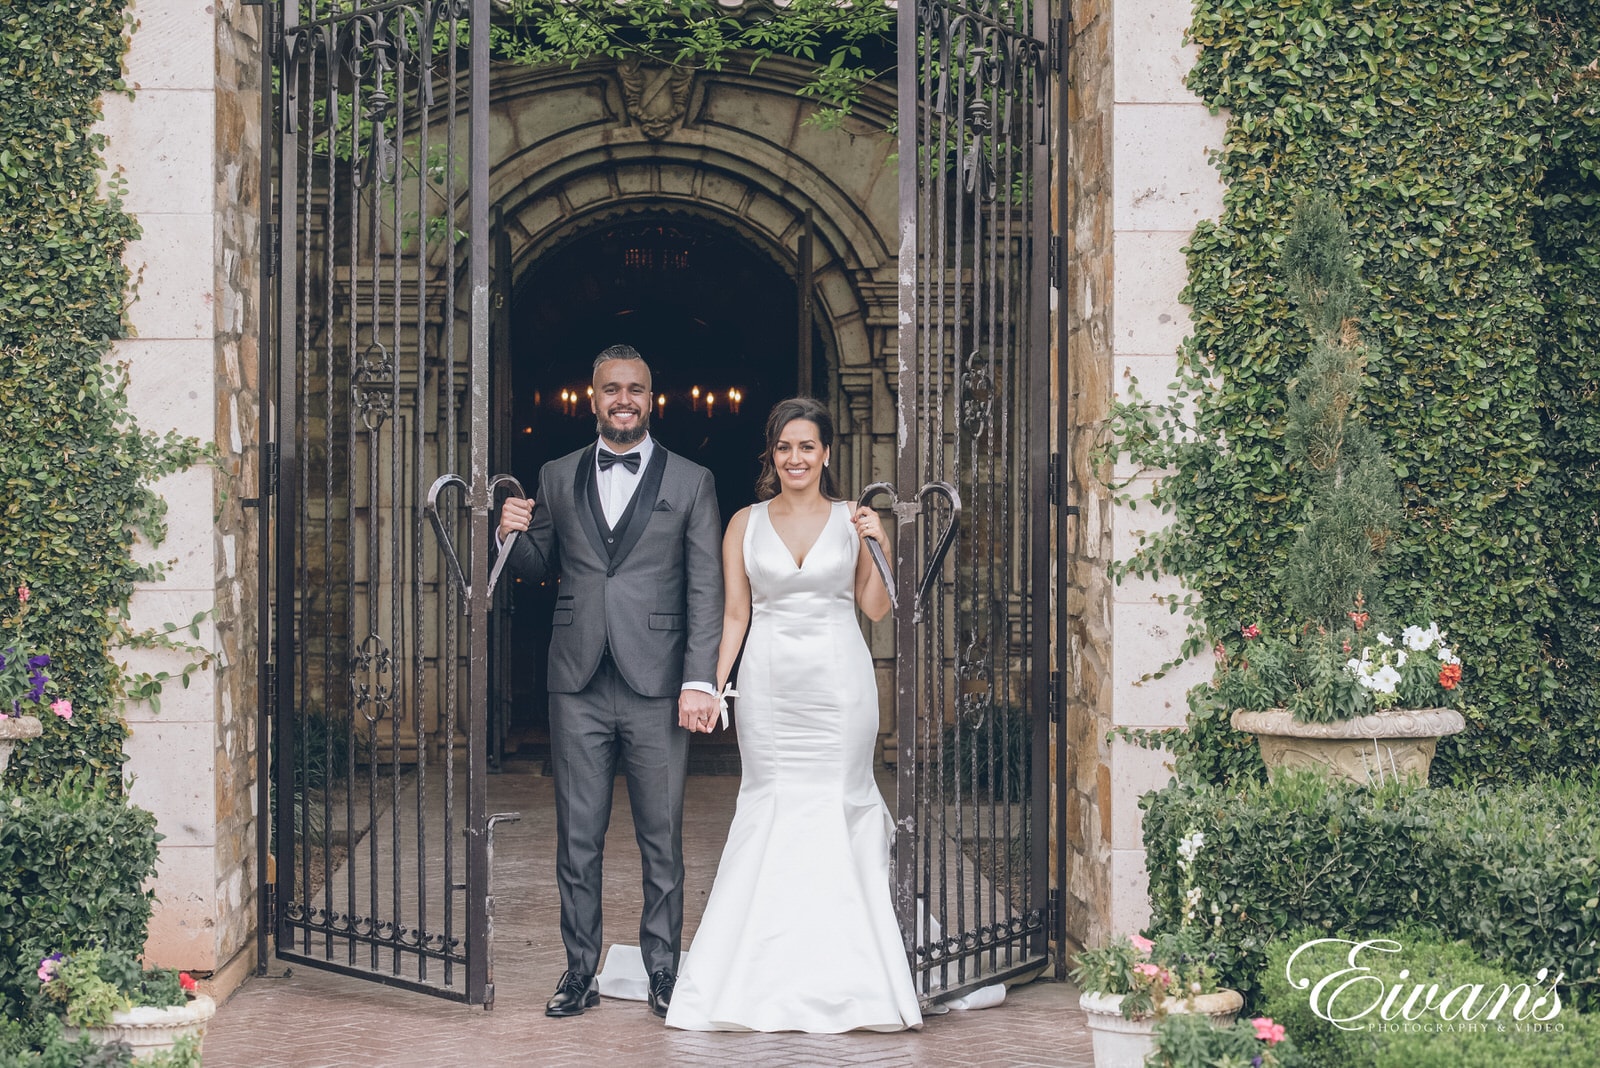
[617, 484]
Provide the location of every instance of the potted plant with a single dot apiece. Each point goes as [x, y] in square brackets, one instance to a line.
[1337, 693]
[1187, 1041]
[1132, 983]
[109, 996]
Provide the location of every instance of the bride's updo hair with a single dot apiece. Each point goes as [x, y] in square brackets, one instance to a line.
[784, 413]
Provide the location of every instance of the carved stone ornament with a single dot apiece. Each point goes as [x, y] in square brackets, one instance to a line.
[656, 96]
[1394, 744]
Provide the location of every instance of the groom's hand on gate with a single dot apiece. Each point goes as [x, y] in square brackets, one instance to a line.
[515, 514]
[697, 711]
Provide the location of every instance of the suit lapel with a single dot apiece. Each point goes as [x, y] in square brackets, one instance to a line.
[631, 526]
[586, 502]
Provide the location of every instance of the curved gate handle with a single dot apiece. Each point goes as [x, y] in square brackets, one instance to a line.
[941, 548]
[440, 484]
[505, 550]
[872, 543]
[446, 543]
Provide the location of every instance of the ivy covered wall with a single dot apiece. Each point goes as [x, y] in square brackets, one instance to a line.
[1461, 140]
[72, 465]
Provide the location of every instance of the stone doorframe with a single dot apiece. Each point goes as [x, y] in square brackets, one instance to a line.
[575, 150]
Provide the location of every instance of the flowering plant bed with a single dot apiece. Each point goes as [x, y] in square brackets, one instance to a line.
[110, 997]
[24, 681]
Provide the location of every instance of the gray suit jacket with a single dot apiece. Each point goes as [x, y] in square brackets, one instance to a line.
[654, 595]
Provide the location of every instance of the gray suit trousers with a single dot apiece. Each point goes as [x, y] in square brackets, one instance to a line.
[591, 733]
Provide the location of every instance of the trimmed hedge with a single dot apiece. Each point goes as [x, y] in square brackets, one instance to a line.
[73, 860]
[1459, 142]
[1427, 1040]
[1512, 871]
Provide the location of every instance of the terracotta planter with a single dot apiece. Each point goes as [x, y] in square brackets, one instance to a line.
[149, 1030]
[14, 729]
[1123, 1043]
[1382, 747]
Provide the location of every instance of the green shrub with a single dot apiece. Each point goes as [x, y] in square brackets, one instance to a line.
[1512, 871]
[1459, 143]
[73, 861]
[1426, 1040]
[1187, 1040]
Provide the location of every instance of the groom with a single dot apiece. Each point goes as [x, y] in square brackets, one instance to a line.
[632, 533]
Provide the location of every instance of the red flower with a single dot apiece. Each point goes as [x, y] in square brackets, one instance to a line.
[1250, 630]
[1359, 619]
[23, 594]
[1449, 676]
[1220, 651]
[186, 981]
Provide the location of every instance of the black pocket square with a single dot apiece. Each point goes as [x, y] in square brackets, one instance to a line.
[663, 506]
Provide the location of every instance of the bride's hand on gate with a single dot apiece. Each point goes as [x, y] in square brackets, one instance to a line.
[868, 525]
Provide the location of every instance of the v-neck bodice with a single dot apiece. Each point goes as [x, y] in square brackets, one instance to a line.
[824, 580]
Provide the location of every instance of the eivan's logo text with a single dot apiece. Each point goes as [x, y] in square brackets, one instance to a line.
[1353, 998]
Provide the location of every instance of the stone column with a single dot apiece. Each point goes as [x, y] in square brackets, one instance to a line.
[1138, 162]
[188, 145]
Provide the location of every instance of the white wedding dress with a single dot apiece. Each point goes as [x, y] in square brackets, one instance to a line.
[799, 933]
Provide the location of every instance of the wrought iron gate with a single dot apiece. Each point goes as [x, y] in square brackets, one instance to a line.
[973, 681]
[378, 290]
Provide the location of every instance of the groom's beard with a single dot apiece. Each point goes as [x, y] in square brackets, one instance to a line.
[624, 435]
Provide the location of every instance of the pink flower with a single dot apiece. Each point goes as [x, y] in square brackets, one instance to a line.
[1143, 945]
[23, 593]
[47, 970]
[62, 708]
[1250, 630]
[186, 981]
[1267, 1031]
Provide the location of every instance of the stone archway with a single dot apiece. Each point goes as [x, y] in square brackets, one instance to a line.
[575, 151]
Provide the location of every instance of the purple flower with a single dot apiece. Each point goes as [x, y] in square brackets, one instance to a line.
[42, 660]
[36, 679]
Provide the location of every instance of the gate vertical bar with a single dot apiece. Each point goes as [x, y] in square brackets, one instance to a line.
[288, 472]
[479, 976]
[907, 830]
[266, 437]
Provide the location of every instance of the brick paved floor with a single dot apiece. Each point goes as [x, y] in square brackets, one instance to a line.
[304, 1018]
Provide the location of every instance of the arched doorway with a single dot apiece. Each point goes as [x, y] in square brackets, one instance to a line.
[715, 316]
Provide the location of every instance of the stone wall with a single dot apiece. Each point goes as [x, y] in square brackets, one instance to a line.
[1139, 162]
[187, 145]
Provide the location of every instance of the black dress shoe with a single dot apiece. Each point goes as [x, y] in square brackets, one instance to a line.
[574, 993]
[661, 984]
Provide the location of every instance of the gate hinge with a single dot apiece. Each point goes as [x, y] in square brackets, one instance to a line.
[269, 476]
[1057, 262]
[1055, 44]
[1053, 904]
[1055, 478]
[1055, 697]
[272, 690]
[272, 907]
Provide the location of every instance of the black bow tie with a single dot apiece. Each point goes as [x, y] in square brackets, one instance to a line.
[630, 460]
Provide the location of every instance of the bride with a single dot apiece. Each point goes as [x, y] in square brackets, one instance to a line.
[799, 933]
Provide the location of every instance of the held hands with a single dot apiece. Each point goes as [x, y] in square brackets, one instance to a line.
[868, 525]
[697, 711]
[515, 515]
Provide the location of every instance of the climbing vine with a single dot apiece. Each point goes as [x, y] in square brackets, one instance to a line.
[851, 45]
[1460, 141]
[75, 470]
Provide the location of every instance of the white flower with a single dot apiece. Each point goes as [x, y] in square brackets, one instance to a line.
[1189, 847]
[1385, 679]
[1353, 666]
[1384, 639]
[1416, 638]
[1400, 658]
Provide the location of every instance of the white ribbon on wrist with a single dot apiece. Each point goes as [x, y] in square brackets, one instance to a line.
[726, 692]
